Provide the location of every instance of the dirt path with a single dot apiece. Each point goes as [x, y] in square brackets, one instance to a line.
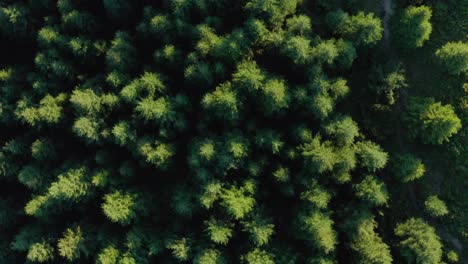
[387, 6]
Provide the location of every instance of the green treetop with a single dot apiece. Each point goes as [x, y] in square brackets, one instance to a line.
[40, 252]
[260, 230]
[258, 256]
[298, 49]
[121, 55]
[219, 232]
[413, 27]
[365, 241]
[14, 20]
[431, 121]
[238, 201]
[272, 11]
[120, 207]
[419, 242]
[454, 57]
[317, 195]
[248, 76]
[319, 156]
[435, 206]
[275, 96]
[47, 112]
[180, 248]
[408, 168]
[371, 155]
[318, 229]
[372, 190]
[361, 29]
[343, 129]
[72, 245]
[299, 25]
[222, 102]
[209, 256]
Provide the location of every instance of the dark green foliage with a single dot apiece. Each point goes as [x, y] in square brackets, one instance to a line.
[217, 131]
[361, 29]
[43, 150]
[389, 84]
[13, 20]
[117, 9]
[412, 27]
[121, 55]
[272, 11]
[408, 168]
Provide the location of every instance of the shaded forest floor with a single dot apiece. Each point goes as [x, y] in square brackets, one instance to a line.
[425, 80]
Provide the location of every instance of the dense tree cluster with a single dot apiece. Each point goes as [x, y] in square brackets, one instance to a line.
[207, 131]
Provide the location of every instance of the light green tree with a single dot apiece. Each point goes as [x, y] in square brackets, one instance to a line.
[435, 206]
[431, 121]
[412, 27]
[419, 242]
[120, 207]
[454, 57]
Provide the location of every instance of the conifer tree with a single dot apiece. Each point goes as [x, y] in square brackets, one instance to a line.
[431, 121]
[435, 206]
[413, 27]
[418, 241]
[454, 57]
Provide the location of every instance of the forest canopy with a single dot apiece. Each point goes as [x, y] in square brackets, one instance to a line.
[216, 131]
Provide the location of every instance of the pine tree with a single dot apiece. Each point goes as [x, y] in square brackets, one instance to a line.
[431, 121]
[408, 168]
[413, 27]
[419, 242]
[320, 156]
[219, 232]
[238, 201]
[120, 207]
[454, 57]
[372, 156]
[435, 206]
[222, 102]
[258, 256]
[72, 245]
